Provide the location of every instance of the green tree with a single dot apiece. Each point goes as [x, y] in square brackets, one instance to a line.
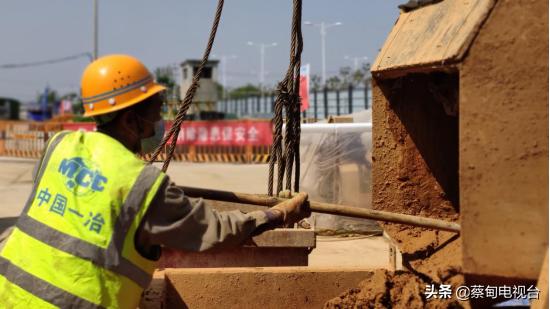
[244, 91]
[220, 90]
[346, 77]
[362, 76]
[166, 76]
[315, 81]
[334, 82]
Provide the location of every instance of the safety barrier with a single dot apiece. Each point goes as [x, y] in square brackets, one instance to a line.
[28, 139]
[222, 154]
[25, 139]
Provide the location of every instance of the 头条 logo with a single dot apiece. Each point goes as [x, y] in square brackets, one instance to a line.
[81, 176]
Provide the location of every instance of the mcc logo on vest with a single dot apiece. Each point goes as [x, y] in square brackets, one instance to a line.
[82, 176]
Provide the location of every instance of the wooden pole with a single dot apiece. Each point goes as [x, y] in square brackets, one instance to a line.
[326, 208]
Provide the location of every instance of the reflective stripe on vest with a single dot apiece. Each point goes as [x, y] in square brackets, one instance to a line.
[114, 257]
[39, 287]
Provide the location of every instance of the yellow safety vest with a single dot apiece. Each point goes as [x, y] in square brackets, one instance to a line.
[73, 245]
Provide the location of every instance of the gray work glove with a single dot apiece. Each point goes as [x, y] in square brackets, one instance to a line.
[293, 209]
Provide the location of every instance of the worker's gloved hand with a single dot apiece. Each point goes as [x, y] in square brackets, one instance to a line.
[292, 210]
[287, 194]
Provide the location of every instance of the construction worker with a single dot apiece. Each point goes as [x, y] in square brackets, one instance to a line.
[93, 227]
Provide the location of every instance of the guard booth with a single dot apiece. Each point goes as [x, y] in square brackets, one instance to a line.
[205, 99]
[460, 129]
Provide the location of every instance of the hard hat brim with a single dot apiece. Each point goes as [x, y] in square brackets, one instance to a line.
[156, 88]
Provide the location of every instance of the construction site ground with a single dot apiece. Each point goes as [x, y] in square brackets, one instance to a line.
[362, 252]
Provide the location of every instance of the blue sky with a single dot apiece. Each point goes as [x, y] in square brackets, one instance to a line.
[167, 32]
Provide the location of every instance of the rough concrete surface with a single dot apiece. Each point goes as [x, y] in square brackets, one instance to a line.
[504, 143]
[369, 252]
[235, 257]
[278, 247]
[280, 287]
[501, 190]
[431, 37]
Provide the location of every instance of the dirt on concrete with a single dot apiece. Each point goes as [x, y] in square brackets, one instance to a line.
[415, 134]
[415, 145]
[437, 262]
[415, 171]
[382, 289]
[385, 289]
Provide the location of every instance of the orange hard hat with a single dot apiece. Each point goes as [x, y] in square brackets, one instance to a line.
[115, 82]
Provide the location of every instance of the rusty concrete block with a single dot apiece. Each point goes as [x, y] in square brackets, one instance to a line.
[238, 257]
[285, 238]
[277, 287]
[504, 160]
[279, 247]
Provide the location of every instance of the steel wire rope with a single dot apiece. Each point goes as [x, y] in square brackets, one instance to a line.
[187, 101]
[288, 100]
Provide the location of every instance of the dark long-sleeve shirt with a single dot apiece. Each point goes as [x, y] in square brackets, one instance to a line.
[176, 221]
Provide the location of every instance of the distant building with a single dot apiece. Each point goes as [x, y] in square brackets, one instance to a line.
[9, 109]
[207, 93]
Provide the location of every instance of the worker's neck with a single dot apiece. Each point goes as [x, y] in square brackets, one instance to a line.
[121, 138]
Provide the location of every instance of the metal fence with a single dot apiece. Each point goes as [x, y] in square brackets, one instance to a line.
[322, 103]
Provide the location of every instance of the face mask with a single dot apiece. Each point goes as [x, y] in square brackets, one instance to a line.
[149, 144]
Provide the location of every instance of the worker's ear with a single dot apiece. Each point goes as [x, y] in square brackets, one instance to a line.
[129, 123]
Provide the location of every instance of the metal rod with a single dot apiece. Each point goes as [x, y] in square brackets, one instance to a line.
[95, 29]
[337, 102]
[350, 99]
[325, 101]
[327, 208]
[315, 105]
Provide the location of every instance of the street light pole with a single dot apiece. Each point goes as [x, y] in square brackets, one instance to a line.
[356, 61]
[323, 54]
[323, 28]
[95, 29]
[224, 59]
[263, 47]
[262, 64]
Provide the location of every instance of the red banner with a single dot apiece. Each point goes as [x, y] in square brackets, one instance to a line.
[210, 133]
[304, 87]
[74, 126]
[225, 133]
